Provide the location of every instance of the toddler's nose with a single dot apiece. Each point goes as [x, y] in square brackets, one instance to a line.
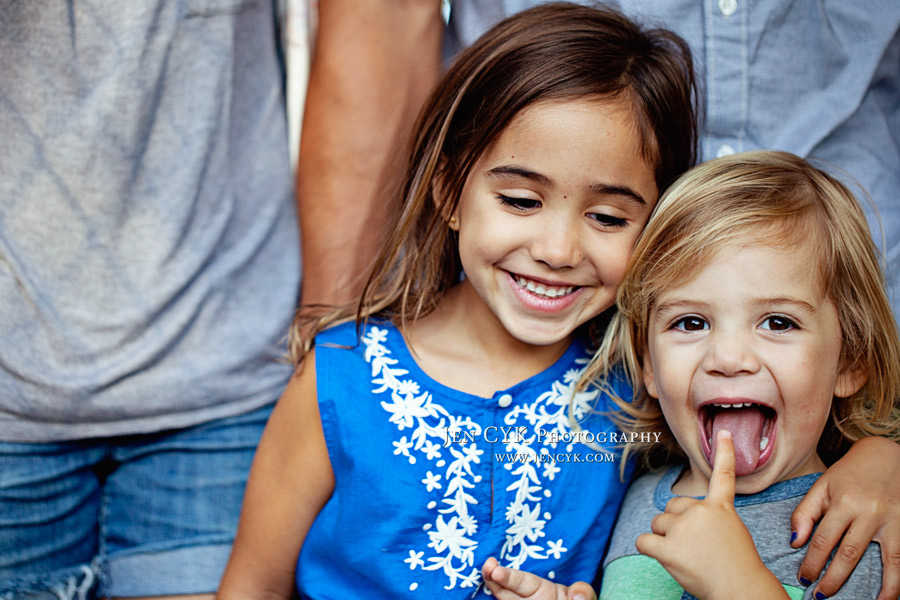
[730, 353]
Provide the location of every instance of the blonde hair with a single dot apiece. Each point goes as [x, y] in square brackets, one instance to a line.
[557, 51]
[783, 198]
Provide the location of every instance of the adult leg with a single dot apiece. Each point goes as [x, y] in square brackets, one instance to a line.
[50, 499]
[171, 507]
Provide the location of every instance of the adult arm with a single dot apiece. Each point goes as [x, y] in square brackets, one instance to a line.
[374, 63]
[858, 500]
[290, 480]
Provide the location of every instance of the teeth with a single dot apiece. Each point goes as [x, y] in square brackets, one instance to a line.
[544, 290]
[763, 442]
[738, 405]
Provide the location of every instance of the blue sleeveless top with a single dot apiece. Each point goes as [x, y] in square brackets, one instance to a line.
[430, 481]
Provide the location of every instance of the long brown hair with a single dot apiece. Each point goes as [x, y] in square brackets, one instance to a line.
[555, 51]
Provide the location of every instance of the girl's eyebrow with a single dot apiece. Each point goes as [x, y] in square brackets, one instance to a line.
[504, 171]
[618, 190]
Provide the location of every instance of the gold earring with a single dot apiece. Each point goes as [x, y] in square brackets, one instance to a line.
[453, 219]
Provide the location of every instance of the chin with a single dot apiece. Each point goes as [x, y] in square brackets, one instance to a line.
[534, 335]
[768, 475]
[753, 483]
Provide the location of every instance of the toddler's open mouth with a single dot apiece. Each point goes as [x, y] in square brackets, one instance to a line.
[752, 427]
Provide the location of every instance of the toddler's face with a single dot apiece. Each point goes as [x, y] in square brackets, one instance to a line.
[548, 217]
[750, 344]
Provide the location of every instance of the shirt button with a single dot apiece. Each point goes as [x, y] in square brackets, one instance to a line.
[724, 150]
[504, 400]
[727, 7]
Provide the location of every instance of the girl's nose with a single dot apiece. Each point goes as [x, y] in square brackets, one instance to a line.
[556, 243]
[730, 354]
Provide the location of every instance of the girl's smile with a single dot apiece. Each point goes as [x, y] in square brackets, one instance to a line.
[542, 295]
[548, 217]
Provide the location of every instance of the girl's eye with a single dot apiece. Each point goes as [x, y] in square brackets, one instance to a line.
[691, 324]
[778, 323]
[608, 220]
[523, 204]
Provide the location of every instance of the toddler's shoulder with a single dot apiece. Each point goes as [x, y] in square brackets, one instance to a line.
[647, 488]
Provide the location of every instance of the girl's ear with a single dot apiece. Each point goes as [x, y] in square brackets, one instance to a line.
[849, 382]
[649, 379]
[439, 197]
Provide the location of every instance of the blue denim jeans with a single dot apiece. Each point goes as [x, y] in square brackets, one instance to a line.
[142, 515]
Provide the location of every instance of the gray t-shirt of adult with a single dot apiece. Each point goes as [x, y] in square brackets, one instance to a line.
[149, 260]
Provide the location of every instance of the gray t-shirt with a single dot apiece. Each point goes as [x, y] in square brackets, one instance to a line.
[628, 575]
[149, 260]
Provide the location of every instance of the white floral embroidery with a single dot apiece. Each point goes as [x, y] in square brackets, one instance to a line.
[452, 529]
[556, 548]
[432, 481]
[415, 559]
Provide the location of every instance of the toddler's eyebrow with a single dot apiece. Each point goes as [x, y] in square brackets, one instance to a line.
[676, 304]
[505, 171]
[788, 300]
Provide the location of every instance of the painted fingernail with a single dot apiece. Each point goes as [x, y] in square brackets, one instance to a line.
[793, 536]
[820, 596]
[805, 581]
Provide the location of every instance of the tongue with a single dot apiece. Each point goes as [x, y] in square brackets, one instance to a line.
[745, 425]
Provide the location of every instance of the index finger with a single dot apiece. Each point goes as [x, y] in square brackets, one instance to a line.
[721, 483]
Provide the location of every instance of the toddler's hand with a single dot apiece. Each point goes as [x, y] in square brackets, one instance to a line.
[512, 584]
[704, 544]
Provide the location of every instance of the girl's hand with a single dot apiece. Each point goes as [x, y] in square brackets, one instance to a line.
[859, 497]
[511, 584]
[704, 544]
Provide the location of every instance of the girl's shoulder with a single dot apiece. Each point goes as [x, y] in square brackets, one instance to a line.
[352, 334]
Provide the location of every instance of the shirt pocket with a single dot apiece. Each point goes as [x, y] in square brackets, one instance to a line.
[199, 9]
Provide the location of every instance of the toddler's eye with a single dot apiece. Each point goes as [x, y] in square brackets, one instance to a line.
[608, 220]
[519, 203]
[691, 324]
[778, 323]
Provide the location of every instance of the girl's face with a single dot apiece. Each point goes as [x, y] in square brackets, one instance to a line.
[750, 344]
[548, 217]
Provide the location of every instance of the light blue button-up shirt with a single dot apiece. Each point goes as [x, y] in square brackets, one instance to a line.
[818, 78]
